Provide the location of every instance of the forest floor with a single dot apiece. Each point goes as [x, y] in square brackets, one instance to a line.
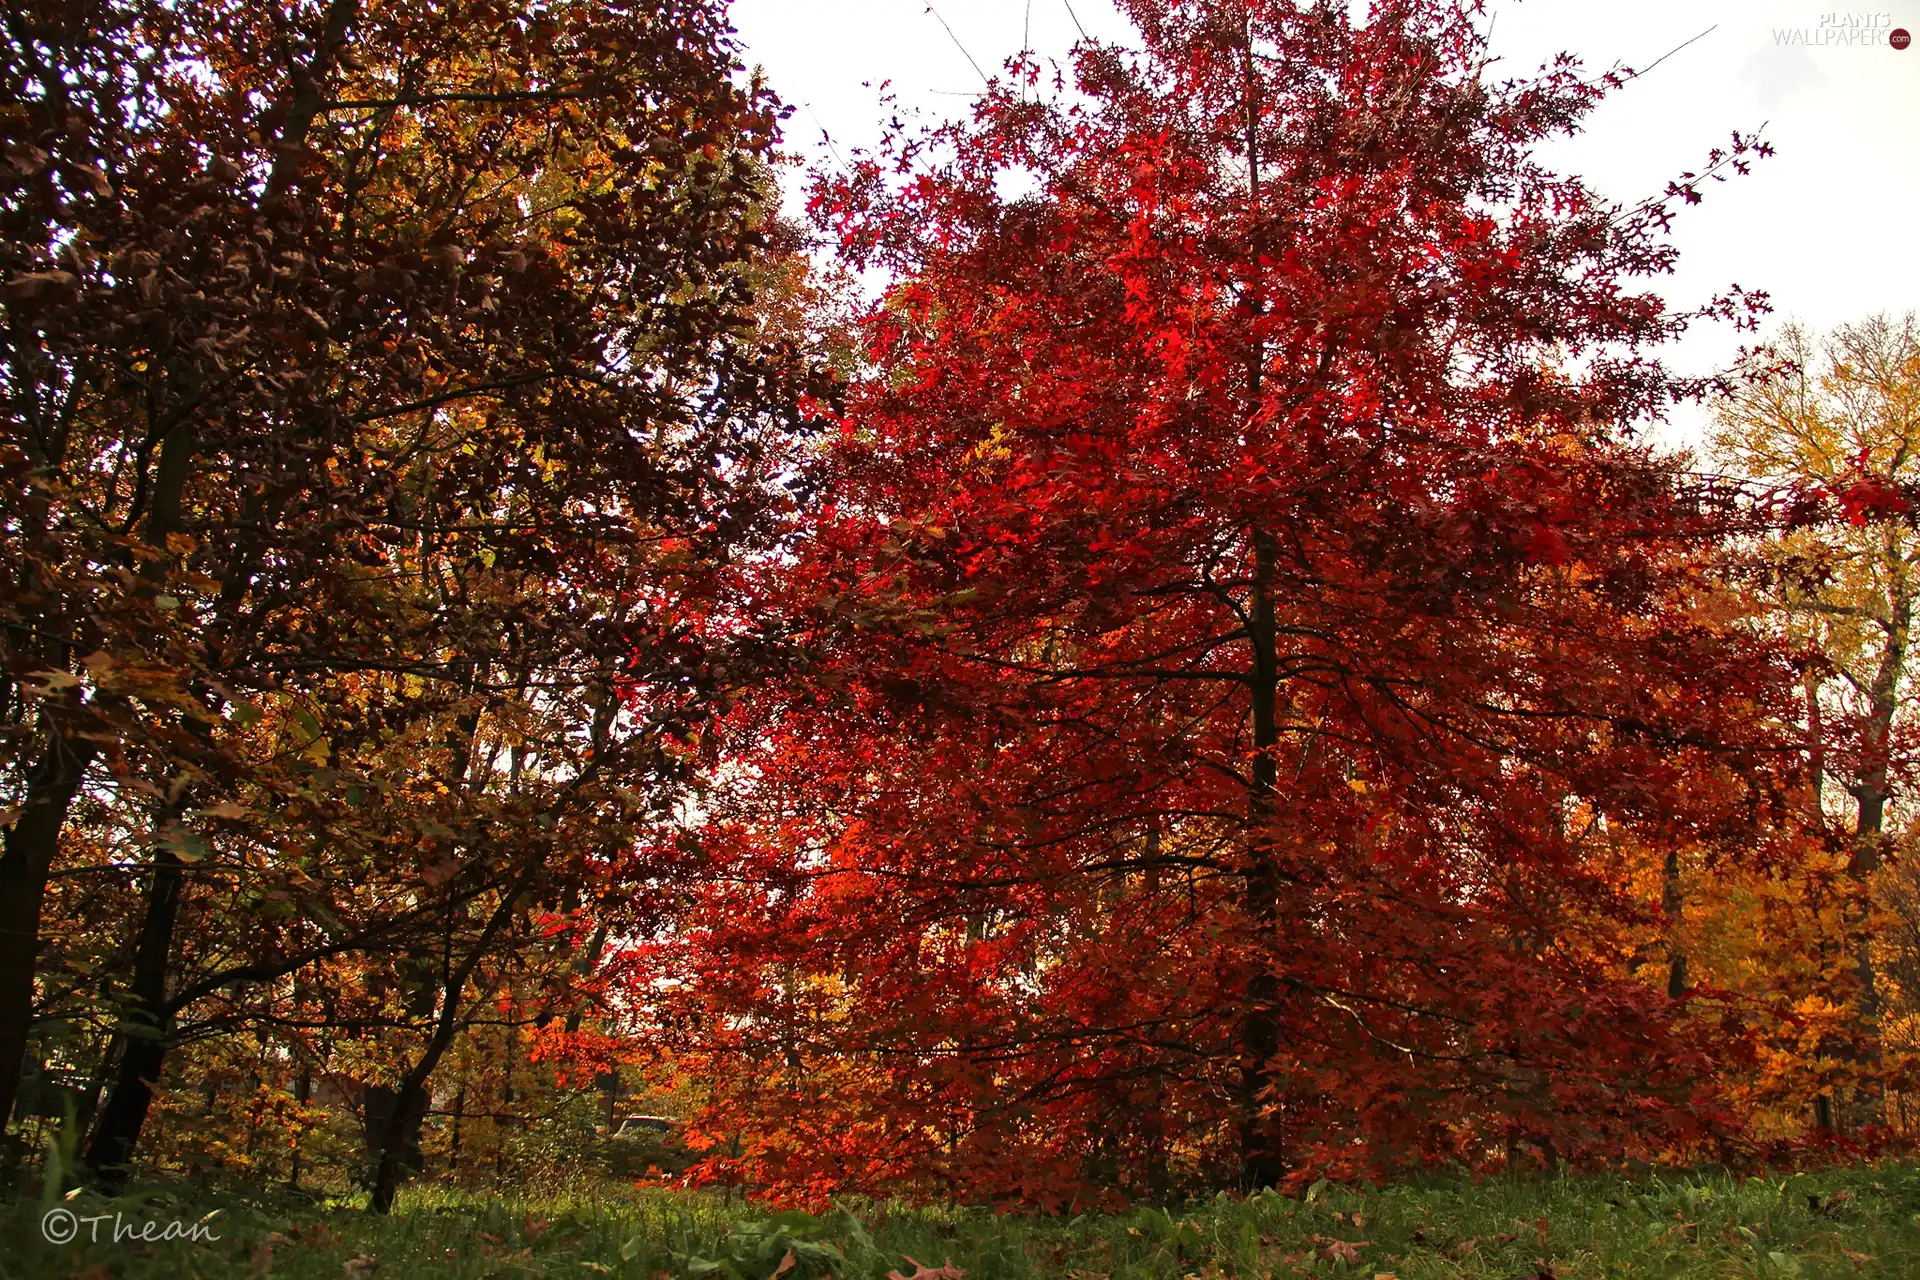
[1859, 1221]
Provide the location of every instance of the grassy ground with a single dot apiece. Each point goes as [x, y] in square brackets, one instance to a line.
[1856, 1222]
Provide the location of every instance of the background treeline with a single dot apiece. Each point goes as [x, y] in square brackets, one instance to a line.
[1198, 683]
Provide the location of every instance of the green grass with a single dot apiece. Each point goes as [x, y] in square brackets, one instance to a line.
[1862, 1221]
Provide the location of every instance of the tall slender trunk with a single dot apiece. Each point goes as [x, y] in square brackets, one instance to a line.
[34, 839]
[1260, 1164]
[1817, 766]
[1872, 789]
[302, 1094]
[1260, 1034]
[459, 1115]
[110, 1151]
[118, 1129]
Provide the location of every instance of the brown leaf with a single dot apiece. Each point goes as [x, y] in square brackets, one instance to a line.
[786, 1264]
[43, 684]
[1343, 1251]
[33, 283]
[921, 1271]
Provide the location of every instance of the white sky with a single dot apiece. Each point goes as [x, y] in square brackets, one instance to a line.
[1826, 226]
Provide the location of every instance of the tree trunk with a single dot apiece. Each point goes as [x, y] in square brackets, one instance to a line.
[1872, 790]
[110, 1152]
[1868, 1103]
[1672, 905]
[27, 859]
[394, 1117]
[1260, 1164]
[1260, 1032]
[302, 1094]
[459, 1115]
[403, 1124]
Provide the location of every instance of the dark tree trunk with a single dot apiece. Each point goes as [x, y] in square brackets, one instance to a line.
[27, 859]
[1868, 1103]
[390, 1140]
[117, 1134]
[459, 1115]
[1260, 1163]
[394, 1117]
[302, 1094]
[1260, 1034]
[1672, 905]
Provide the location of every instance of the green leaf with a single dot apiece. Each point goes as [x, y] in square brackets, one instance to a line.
[185, 844]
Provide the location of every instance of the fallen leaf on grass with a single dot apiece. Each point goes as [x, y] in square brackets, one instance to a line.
[921, 1271]
[788, 1263]
[1344, 1251]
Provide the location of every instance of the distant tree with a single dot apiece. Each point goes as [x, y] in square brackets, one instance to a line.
[1839, 415]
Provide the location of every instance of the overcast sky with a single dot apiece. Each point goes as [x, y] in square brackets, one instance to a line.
[1827, 226]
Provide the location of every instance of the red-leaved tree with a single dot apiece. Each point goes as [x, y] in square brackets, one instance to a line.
[1249, 647]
